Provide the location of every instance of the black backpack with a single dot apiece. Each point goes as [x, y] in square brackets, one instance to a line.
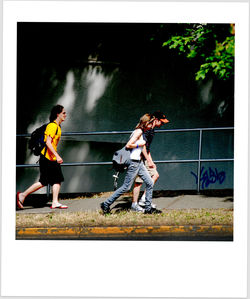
[36, 142]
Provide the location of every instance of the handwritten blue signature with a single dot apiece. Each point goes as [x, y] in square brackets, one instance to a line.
[210, 176]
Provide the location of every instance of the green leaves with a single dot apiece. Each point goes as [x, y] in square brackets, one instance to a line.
[208, 45]
[178, 42]
[221, 62]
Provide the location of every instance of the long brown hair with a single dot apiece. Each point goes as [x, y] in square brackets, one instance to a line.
[144, 121]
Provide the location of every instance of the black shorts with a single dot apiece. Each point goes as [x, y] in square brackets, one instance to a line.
[50, 172]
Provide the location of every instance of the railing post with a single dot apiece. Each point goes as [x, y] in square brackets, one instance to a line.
[199, 163]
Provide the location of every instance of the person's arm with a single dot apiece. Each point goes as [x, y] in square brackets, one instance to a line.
[50, 147]
[134, 142]
[148, 157]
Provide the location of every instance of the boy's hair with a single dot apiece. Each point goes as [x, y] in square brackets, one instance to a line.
[144, 121]
[160, 116]
[54, 111]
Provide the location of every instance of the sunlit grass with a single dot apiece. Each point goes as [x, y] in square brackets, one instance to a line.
[127, 218]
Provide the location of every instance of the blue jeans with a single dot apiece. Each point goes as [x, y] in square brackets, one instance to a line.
[135, 168]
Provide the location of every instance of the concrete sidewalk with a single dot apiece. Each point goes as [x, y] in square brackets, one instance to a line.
[176, 202]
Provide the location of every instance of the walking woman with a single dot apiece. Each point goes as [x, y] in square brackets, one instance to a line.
[136, 167]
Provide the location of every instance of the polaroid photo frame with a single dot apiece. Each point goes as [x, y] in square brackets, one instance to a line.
[111, 268]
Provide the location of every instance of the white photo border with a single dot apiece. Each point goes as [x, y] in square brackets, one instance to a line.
[111, 268]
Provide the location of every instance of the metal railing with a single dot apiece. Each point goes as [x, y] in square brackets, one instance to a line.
[198, 161]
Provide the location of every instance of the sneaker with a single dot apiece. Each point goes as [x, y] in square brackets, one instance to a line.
[106, 210]
[142, 204]
[137, 208]
[153, 206]
[142, 200]
[152, 211]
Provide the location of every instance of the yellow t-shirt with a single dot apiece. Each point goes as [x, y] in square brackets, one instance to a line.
[54, 131]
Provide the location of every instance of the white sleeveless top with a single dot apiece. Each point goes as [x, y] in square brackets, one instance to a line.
[136, 152]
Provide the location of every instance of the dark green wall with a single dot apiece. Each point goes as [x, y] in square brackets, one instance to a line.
[107, 76]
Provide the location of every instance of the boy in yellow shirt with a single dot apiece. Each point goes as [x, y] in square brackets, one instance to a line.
[50, 161]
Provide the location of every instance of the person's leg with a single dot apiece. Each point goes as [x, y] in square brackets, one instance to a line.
[155, 176]
[55, 178]
[55, 193]
[136, 192]
[36, 186]
[143, 173]
[127, 184]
